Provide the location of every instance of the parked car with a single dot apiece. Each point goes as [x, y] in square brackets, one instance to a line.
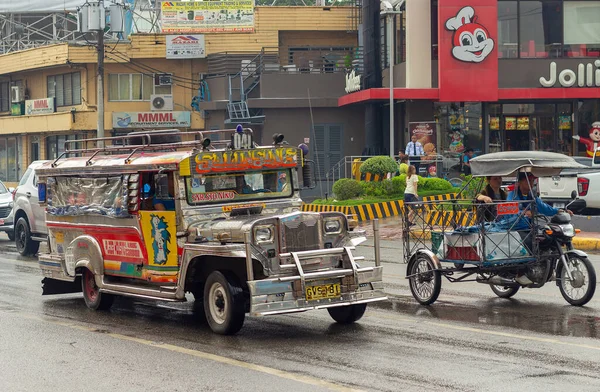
[29, 218]
[6, 211]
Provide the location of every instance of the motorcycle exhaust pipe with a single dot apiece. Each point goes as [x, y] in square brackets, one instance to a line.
[497, 281]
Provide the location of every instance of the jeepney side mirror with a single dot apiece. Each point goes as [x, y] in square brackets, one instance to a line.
[309, 178]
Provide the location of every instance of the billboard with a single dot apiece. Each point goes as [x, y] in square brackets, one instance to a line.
[151, 119]
[212, 16]
[186, 46]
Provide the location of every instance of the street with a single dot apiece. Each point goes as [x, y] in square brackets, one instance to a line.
[469, 340]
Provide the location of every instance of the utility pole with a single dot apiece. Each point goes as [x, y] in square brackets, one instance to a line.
[100, 48]
[91, 17]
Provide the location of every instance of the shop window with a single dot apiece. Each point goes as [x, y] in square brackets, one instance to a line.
[8, 159]
[55, 145]
[4, 96]
[133, 87]
[460, 127]
[588, 113]
[582, 28]
[66, 88]
[508, 29]
[540, 28]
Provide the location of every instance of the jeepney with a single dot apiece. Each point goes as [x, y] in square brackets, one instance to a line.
[219, 220]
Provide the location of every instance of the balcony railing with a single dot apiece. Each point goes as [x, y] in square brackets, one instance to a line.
[305, 59]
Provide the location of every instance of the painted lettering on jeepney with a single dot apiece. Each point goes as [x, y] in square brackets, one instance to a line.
[211, 196]
[117, 248]
[242, 160]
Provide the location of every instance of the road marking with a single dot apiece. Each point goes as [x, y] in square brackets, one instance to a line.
[204, 355]
[494, 333]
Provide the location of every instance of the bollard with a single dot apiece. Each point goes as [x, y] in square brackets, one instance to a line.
[249, 269]
[376, 242]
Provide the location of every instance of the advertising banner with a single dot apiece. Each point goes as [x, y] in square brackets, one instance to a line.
[207, 16]
[39, 106]
[468, 53]
[186, 47]
[151, 119]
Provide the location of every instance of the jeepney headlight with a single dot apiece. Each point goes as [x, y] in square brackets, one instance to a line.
[263, 234]
[332, 226]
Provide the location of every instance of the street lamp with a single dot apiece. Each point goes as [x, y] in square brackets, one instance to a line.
[389, 9]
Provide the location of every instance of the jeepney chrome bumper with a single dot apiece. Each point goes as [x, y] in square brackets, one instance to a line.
[288, 294]
[53, 267]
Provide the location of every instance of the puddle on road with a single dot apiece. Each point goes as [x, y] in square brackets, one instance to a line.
[558, 320]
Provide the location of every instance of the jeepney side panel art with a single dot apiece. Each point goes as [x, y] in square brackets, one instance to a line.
[159, 231]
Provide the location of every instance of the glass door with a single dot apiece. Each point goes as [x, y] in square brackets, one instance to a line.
[517, 131]
[542, 133]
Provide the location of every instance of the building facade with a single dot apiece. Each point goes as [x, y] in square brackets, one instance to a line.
[292, 67]
[493, 75]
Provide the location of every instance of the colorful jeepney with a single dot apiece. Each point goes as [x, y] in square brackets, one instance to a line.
[221, 221]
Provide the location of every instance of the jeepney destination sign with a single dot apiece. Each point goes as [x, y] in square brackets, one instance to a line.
[267, 158]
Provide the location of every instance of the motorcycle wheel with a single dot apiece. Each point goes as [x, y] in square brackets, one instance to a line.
[426, 283]
[580, 290]
[504, 291]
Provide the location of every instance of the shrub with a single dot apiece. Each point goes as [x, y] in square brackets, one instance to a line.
[399, 185]
[347, 188]
[474, 186]
[434, 184]
[380, 165]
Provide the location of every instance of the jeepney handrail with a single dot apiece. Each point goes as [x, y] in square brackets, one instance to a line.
[146, 143]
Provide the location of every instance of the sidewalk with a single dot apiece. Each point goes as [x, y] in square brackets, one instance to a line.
[391, 229]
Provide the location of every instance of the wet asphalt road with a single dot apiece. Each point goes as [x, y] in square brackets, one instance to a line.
[467, 341]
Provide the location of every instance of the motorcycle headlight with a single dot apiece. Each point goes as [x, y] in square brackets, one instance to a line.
[263, 234]
[568, 230]
[332, 226]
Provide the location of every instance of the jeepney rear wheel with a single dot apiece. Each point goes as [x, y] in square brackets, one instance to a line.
[224, 304]
[26, 246]
[94, 299]
[347, 314]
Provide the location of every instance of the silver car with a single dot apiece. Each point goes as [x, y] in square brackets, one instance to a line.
[6, 211]
[29, 217]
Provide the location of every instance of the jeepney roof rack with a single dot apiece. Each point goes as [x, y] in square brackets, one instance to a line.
[143, 141]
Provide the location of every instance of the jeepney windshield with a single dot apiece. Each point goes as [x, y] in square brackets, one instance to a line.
[245, 186]
[83, 196]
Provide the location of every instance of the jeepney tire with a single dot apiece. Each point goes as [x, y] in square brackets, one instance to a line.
[26, 246]
[347, 314]
[224, 303]
[94, 299]
[11, 235]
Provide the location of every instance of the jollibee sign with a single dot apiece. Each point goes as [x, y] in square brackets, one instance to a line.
[468, 56]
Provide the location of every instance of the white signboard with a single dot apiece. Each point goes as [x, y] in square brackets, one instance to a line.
[151, 119]
[352, 82]
[39, 106]
[188, 46]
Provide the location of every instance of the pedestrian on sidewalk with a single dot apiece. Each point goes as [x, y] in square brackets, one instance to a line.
[403, 167]
[414, 150]
[410, 194]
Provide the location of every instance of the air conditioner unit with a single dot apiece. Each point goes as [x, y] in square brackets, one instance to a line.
[16, 94]
[163, 79]
[161, 102]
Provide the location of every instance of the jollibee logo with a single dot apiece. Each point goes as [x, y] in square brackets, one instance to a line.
[471, 40]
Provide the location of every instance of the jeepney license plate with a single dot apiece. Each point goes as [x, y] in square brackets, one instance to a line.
[323, 291]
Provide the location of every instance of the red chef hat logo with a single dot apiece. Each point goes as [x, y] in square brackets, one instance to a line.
[471, 40]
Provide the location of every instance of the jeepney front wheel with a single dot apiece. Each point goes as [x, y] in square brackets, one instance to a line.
[347, 314]
[224, 304]
[94, 299]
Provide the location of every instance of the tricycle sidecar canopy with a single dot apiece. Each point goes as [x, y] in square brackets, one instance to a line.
[508, 163]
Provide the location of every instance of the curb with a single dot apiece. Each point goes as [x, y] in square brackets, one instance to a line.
[583, 243]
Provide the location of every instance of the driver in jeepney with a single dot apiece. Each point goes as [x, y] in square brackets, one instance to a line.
[164, 199]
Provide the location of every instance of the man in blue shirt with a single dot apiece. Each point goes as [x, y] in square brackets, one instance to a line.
[414, 150]
[523, 192]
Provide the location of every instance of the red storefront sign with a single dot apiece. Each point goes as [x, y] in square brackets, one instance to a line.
[468, 53]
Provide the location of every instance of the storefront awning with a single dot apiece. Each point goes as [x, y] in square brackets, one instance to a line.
[504, 94]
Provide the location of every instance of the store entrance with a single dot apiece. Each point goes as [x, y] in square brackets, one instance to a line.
[532, 127]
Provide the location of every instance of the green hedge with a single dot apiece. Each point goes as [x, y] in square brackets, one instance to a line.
[380, 165]
[346, 188]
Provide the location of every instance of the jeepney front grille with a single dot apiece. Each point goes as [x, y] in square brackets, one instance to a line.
[5, 211]
[301, 232]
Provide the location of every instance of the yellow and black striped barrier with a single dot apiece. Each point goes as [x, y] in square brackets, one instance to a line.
[362, 212]
[327, 208]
